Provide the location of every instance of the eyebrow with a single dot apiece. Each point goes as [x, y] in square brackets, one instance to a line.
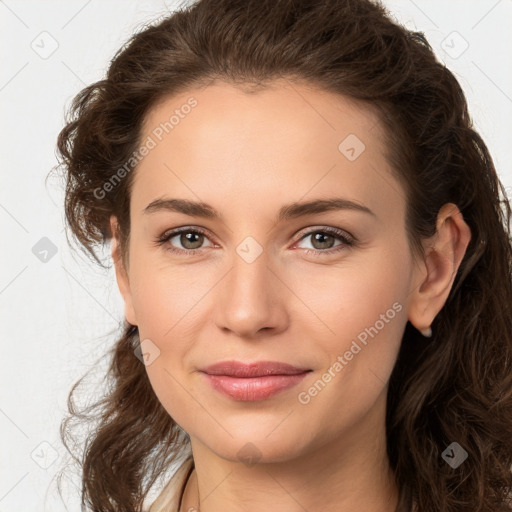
[290, 211]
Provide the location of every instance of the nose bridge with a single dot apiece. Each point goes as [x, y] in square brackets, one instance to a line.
[248, 300]
[250, 273]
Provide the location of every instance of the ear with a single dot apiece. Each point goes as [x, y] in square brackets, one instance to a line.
[121, 273]
[436, 273]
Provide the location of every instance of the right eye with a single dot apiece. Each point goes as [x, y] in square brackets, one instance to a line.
[186, 237]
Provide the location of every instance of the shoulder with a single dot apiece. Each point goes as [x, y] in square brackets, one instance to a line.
[169, 498]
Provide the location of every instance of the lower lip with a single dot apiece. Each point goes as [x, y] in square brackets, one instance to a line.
[253, 388]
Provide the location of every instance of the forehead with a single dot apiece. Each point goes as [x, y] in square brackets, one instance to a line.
[296, 110]
[243, 144]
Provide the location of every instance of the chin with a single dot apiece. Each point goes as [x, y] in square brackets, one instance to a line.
[258, 449]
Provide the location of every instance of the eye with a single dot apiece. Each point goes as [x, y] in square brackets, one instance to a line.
[190, 239]
[323, 240]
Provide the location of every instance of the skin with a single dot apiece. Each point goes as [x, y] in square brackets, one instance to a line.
[248, 154]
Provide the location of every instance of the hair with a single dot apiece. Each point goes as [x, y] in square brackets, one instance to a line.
[457, 387]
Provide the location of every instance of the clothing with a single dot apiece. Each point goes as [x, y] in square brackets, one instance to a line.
[169, 500]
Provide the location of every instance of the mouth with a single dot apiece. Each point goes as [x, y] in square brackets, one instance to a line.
[254, 381]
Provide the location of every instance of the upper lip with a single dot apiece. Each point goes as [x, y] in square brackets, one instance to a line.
[256, 369]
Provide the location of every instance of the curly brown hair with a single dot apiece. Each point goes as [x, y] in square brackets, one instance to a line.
[458, 386]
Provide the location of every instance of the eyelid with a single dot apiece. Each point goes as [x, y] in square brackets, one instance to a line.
[171, 233]
[338, 232]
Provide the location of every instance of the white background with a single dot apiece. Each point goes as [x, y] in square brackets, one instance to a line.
[59, 316]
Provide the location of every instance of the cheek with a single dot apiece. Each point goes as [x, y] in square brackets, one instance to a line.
[166, 305]
[366, 315]
[176, 393]
[362, 311]
[166, 298]
[364, 291]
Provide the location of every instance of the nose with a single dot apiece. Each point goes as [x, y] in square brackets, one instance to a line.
[252, 299]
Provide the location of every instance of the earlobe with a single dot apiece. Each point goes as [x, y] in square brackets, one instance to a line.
[436, 274]
[121, 273]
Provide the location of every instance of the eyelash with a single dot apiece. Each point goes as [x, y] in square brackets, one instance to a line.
[348, 241]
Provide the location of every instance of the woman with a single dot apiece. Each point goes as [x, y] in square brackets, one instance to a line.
[314, 258]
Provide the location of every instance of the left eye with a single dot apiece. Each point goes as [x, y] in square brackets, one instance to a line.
[323, 239]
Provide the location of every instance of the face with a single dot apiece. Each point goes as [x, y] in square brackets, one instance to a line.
[324, 287]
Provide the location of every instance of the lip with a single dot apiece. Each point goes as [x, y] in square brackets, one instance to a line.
[254, 381]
